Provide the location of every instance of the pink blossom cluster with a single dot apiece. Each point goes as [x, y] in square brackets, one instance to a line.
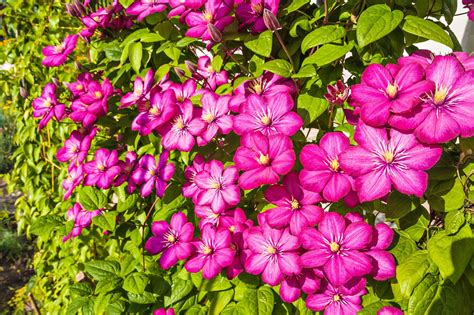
[82, 219]
[469, 4]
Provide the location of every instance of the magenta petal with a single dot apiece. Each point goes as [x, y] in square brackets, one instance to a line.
[318, 302]
[376, 76]
[336, 272]
[289, 263]
[409, 182]
[168, 258]
[356, 263]
[272, 274]
[289, 291]
[314, 258]
[336, 188]
[334, 143]
[438, 127]
[373, 185]
[357, 235]
[332, 226]
[384, 267]
[255, 264]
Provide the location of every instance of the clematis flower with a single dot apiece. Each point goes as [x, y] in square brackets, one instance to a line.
[236, 221]
[384, 90]
[336, 248]
[164, 311]
[151, 174]
[158, 112]
[93, 104]
[144, 8]
[82, 219]
[381, 161]
[47, 106]
[205, 71]
[265, 85]
[274, 254]
[338, 300]
[294, 205]
[74, 179]
[447, 112]
[80, 86]
[218, 186]
[183, 91]
[389, 310]
[215, 12]
[190, 189]
[321, 170]
[240, 256]
[183, 7]
[103, 169]
[127, 168]
[207, 215]
[179, 133]
[76, 147]
[291, 286]
[141, 91]
[173, 240]
[251, 13]
[215, 114]
[383, 266]
[57, 55]
[212, 253]
[270, 115]
[263, 159]
[338, 93]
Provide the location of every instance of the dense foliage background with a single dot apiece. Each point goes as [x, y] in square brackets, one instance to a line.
[111, 272]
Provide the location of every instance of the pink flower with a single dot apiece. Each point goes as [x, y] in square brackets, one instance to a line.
[337, 94]
[151, 174]
[183, 91]
[190, 189]
[218, 187]
[179, 133]
[173, 240]
[212, 78]
[263, 159]
[158, 112]
[141, 91]
[236, 221]
[321, 170]
[163, 311]
[57, 55]
[389, 310]
[383, 263]
[237, 266]
[103, 169]
[74, 179]
[216, 12]
[47, 106]
[251, 13]
[76, 147]
[274, 254]
[336, 248]
[144, 8]
[127, 168]
[265, 85]
[80, 86]
[93, 104]
[386, 90]
[207, 215]
[183, 7]
[215, 114]
[343, 300]
[213, 252]
[381, 161]
[291, 286]
[294, 205]
[82, 219]
[270, 115]
[447, 112]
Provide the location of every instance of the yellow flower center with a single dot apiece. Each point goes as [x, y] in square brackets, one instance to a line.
[207, 16]
[138, 91]
[79, 87]
[334, 247]
[206, 250]
[155, 111]
[257, 87]
[98, 94]
[208, 117]
[388, 157]
[214, 215]
[216, 185]
[336, 298]
[232, 229]
[265, 120]
[180, 98]
[258, 8]
[271, 250]
[101, 167]
[264, 159]
[179, 124]
[334, 165]
[295, 204]
[391, 90]
[440, 96]
[171, 238]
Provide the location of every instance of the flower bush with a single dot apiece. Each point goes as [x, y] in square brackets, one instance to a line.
[211, 158]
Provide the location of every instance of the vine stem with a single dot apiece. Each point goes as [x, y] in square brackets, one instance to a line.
[282, 44]
[143, 232]
[326, 12]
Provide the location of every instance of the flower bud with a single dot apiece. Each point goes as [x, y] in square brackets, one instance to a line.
[179, 72]
[55, 81]
[216, 35]
[24, 92]
[192, 67]
[337, 94]
[270, 20]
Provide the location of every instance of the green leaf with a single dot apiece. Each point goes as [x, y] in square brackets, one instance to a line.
[266, 300]
[454, 199]
[398, 205]
[108, 284]
[328, 53]
[92, 199]
[81, 289]
[179, 289]
[144, 298]
[135, 54]
[106, 220]
[311, 103]
[135, 36]
[78, 304]
[128, 203]
[426, 29]
[295, 5]
[261, 44]
[423, 295]
[451, 253]
[411, 271]
[136, 283]
[322, 35]
[453, 221]
[219, 300]
[375, 22]
[415, 224]
[43, 225]
[102, 269]
[279, 66]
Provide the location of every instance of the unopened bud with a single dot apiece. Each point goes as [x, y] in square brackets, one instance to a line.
[270, 20]
[192, 67]
[80, 276]
[24, 92]
[216, 35]
[55, 81]
[179, 72]
[78, 66]
[80, 8]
